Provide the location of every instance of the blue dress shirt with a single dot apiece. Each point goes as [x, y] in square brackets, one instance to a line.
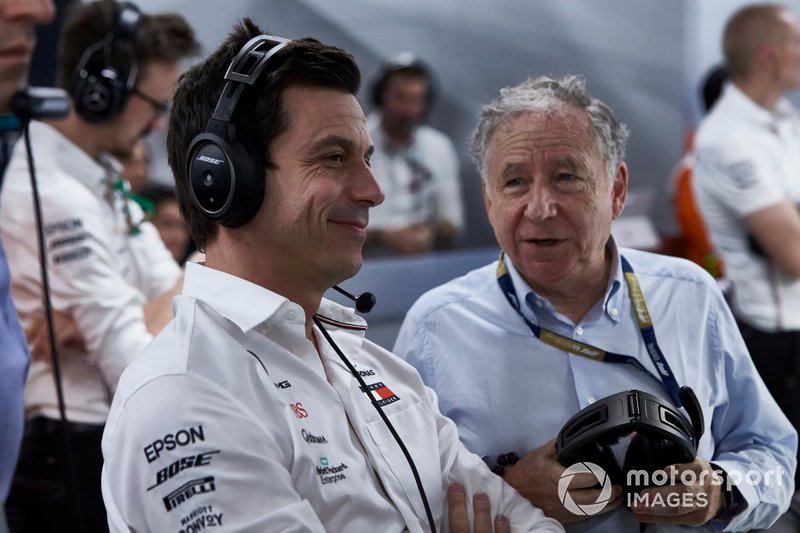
[14, 360]
[507, 391]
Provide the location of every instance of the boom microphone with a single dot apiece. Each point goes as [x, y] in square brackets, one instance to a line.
[40, 103]
[364, 301]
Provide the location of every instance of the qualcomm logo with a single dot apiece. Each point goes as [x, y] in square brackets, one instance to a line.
[591, 508]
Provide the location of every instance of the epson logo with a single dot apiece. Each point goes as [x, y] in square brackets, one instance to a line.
[170, 441]
[211, 160]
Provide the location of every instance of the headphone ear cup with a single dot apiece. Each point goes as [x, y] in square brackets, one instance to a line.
[98, 97]
[648, 454]
[377, 90]
[226, 179]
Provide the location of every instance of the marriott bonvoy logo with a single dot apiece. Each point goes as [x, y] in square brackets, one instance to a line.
[658, 478]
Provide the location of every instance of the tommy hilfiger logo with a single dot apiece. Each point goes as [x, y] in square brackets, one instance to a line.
[382, 394]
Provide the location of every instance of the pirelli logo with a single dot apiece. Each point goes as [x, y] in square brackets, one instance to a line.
[187, 491]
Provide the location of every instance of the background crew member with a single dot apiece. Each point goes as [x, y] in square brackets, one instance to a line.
[552, 159]
[415, 165]
[747, 182]
[245, 382]
[111, 279]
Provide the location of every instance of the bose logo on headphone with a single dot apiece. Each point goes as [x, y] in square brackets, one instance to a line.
[210, 160]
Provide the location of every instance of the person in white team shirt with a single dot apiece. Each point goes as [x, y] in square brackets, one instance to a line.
[747, 185]
[241, 414]
[415, 165]
[111, 278]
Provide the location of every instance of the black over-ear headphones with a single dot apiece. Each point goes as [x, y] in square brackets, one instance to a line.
[663, 435]
[398, 63]
[99, 88]
[225, 172]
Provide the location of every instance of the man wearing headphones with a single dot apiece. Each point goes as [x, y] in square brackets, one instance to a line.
[262, 407]
[111, 278]
[566, 318]
[415, 165]
[17, 40]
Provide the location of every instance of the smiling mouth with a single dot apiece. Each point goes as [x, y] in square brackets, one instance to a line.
[545, 242]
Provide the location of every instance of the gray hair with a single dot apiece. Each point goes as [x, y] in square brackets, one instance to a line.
[545, 94]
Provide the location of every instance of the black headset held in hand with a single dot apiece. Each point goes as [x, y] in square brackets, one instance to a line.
[225, 172]
[99, 87]
[663, 436]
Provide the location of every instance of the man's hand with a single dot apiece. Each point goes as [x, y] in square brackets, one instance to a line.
[482, 521]
[66, 333]
[686, 504]
[411, 240]
[536, 477]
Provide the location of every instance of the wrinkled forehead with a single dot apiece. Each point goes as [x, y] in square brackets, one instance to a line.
[563, 125]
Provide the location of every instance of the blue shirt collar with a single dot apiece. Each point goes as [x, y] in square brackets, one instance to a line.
[612, 300]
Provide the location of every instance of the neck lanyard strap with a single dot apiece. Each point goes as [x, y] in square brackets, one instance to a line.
[561, 342]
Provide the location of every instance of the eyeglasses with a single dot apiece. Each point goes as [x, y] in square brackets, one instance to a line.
[161, 108]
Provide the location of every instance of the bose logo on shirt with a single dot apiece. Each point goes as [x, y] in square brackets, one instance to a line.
[211, 160]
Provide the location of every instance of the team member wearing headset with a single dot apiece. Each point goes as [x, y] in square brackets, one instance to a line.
[415, 165]
[493, 344]
[242, 412]
[111, 279]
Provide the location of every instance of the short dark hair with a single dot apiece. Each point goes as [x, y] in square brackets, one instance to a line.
[402, 64]
[159, 37]
[260, 115]
[712, 86]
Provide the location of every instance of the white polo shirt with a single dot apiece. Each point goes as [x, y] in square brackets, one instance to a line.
[231, 418]
[420, 183]
[98, 271]
[748, 158]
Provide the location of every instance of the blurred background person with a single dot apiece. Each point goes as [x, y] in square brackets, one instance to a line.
[693, 241]
[136, 166]
[17, 40]
[415, 165]
[111, 278]
[165, 214]
[747, 184]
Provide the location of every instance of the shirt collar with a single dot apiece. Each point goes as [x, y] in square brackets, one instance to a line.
[533, 302]
[756, 113]
[73, 160]
[226, 292]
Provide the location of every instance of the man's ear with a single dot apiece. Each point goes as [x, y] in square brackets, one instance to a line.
[487, 200]
[619, 190]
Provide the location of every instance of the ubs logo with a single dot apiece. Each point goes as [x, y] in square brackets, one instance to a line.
[298, 410]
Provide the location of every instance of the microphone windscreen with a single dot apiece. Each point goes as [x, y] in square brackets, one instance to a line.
[365, 302]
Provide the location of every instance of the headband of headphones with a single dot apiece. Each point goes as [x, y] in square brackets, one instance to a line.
[226, 173]
[99, 89]
[608, 419]
[402, 61]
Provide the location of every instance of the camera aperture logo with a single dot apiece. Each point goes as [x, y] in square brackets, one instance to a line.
[589, 509]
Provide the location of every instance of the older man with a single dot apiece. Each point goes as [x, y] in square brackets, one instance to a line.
[493, 343]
